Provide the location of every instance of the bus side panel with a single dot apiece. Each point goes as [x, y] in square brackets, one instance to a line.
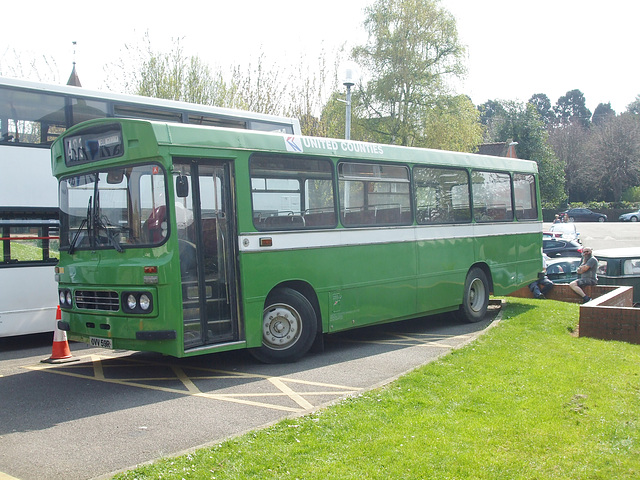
[442, 266]
[372, 284]
[529, 259]
[27, 298]
[500, 254]
[360, 284]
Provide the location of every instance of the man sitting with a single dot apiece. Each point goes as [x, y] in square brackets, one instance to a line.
[587, 274]
[542, 285]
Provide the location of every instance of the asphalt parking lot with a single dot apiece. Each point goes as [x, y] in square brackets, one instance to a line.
[111, 410]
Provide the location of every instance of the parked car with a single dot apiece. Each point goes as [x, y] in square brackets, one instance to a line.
[629, 217]
[620, 266]
[584, 215]
[566, 231]
[563, 269]
[558, 247]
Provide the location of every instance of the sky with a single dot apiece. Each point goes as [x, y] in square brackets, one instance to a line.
[514, 48]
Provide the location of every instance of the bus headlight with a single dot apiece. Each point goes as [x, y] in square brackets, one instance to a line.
[145, 302]
[137, 302]
[65, 298]
[132, 303]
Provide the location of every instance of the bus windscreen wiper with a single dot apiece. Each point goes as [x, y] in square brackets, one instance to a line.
[107, 227]
[85, 221]
[99, 224]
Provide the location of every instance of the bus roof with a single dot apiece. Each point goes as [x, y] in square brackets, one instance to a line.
[179, 134]
[185, 135]
[81, 92]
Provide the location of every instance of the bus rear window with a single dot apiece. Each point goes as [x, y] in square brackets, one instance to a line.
[524, 190]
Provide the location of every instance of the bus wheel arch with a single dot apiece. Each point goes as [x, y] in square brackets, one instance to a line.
[289, 325]
[475, 299]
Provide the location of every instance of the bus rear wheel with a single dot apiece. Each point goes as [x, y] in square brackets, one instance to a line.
[476, 296]
[289, 326]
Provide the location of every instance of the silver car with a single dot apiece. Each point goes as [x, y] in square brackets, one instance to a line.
[629, 217]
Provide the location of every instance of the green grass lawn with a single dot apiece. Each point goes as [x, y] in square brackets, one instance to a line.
[527, 400]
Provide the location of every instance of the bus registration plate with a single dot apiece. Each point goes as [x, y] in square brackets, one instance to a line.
[101, 342]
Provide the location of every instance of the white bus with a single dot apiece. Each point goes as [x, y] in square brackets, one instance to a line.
[32, 116]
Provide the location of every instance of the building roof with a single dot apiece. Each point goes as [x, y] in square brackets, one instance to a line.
[499, 149]
[74, 80]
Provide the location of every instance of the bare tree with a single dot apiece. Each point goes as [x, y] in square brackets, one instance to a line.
[614, 150]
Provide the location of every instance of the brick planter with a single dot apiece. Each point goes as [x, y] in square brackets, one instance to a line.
[609, 316]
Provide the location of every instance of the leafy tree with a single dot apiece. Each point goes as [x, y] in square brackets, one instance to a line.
[571, 108]
[453, 125]
[634, 107]
[602, 113]
[543, 107]
[411, 52]
[491, 112]
[522, 123]
[333, 116]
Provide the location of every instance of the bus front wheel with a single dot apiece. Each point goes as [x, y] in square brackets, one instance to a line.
[476, 296]
[289, 327]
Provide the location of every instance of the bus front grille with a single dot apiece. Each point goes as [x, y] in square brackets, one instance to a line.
[97, 300]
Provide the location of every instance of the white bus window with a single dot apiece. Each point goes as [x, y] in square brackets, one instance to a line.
[83, 110]
[30, 117]
[32, 242]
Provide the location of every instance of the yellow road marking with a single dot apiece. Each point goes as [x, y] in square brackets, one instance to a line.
[186, 381]
[283, 384]
[413, 340]
[4, 476]
[97, 366]
[98, 372]
[288, 391]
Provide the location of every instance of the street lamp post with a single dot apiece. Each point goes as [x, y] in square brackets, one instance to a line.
[348, 82]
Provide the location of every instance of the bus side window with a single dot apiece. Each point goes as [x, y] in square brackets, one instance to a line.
[290, 192]
[441, 194]
[491, 196]
[374, 194]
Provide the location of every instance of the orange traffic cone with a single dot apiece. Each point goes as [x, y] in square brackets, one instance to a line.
[60, 352]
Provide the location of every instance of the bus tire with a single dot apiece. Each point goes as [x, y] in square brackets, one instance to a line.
[475, 299]
[289, 327]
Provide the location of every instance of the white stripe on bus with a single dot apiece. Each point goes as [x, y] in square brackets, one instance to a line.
[250, 242]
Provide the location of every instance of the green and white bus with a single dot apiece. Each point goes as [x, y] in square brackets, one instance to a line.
[187, 240]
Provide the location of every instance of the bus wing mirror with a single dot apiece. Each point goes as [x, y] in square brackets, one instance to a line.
[115, 177]
[182, 186]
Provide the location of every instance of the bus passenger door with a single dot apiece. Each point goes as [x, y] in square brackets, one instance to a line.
[205, 224]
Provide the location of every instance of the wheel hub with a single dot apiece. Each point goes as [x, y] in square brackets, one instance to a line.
[281, 327]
